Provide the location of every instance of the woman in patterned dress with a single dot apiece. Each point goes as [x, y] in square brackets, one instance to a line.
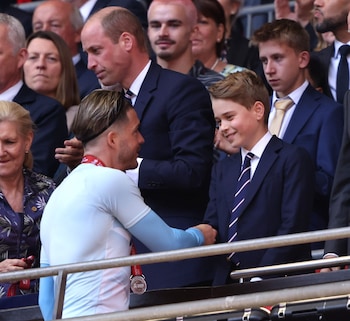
[23, 196]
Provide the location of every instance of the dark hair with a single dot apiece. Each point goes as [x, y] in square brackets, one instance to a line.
[67, 92]
[97, 112]
[213, 9]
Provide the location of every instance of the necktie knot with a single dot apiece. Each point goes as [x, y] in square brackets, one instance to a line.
[247, 160]
[283, 104]
[281, 107]
[344, 50]
[128, 94]
[342, 84]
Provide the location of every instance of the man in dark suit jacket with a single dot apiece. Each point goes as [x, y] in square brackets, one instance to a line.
[176, 122]
[278, 197]
[339, 214]
[313, 120]
[64, 19]
[47, 113]
[331, 16]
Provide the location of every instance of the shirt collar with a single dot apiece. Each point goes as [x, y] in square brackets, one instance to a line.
[86, 8]
[258, 148]
[11, 93]
[137, 83]
[337, 45]
[294, 95]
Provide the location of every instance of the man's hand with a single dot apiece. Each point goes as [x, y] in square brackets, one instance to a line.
[302, 10]
[71, 154]
[10, 265]
[220, 142]
[330, 269]
[208, 232]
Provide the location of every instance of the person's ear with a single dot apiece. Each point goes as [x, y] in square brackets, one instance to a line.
[29, 141]
[304, 59]
[22, 57]
[234, 7]
[126, 40]
[259, 110]
[220, 33]
[112, 138]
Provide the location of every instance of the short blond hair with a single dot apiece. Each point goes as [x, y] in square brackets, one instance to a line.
[13, 112]
[245, 88]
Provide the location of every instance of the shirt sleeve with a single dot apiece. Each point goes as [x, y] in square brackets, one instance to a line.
[46, 291]
[153, 232]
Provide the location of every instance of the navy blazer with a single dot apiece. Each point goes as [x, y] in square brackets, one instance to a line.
[339, 213]
[177, 124]
[50, 119]
[279, 202]
[134, 6]
[320, 61]
[317, 126]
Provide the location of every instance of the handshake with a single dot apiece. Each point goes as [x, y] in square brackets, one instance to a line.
[208, 232]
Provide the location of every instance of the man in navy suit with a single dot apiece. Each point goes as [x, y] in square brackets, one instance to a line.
[339, 214]
[278, 192]
[312, 121]
[331, 15]
[177, 124]
[65, 20]
[47, 114]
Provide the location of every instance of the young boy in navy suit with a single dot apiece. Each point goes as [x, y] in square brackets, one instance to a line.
[278, 193]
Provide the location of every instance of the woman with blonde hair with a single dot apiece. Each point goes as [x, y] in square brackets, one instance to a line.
[23, 196]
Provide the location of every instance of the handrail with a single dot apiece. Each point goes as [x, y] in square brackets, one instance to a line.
[225, 304]
[288, 267]
[166, 256]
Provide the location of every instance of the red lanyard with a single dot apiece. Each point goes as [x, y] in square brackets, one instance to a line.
[138, 283]
[89, 159]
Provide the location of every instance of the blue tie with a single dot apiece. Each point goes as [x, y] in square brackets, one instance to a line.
[128, 95]
[241, 193]
[343, 73]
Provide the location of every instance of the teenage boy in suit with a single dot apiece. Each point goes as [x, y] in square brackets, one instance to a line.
[313, 120]
[278, 198]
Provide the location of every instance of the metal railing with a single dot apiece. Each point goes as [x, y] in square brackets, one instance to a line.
[293, 239]
[225, 304]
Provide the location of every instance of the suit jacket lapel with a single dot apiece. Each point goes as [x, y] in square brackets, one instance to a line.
[230, 178]
[304, 110]
[265, 163]
[146, 91]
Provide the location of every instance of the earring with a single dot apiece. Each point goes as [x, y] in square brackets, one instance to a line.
[26, 152]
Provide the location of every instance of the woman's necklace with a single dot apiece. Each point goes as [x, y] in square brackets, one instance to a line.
[215, 64]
